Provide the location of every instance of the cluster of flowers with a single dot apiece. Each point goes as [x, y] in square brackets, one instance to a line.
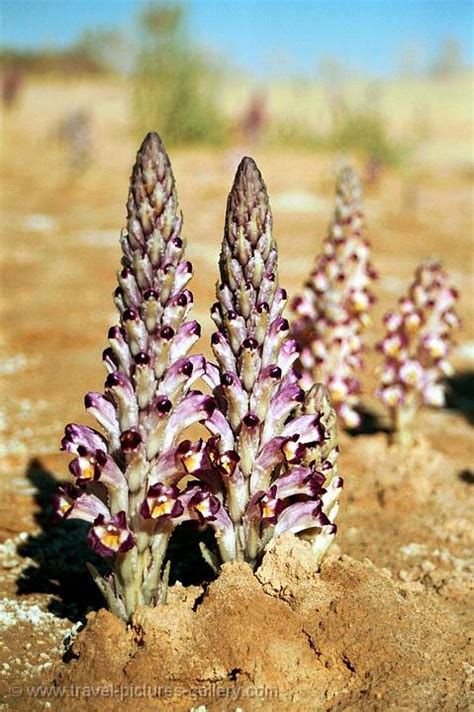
[416, 346]
[269, 464]
[275, 444]
[333, 310]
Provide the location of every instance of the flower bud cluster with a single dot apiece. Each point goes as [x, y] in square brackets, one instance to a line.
[416, 346]
[333, 310]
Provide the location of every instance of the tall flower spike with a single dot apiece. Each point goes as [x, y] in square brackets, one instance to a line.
[267, 450]
[333, 310]
[127, 478]
[416, 348]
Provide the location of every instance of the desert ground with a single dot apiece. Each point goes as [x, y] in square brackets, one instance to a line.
[386, 624]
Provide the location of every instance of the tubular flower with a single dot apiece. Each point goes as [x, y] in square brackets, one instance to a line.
[416, 347]
[271, 461]
[128, 475]
[333, 310]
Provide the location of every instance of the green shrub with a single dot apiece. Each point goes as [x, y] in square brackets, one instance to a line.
[174, 84]
[366, 131]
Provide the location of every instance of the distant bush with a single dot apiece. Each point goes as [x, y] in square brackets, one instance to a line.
[366, 131]
[294, 134]
[174, 85]
[96, 51]
[64, 62]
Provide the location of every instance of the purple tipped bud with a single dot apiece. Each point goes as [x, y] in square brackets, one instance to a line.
[130, 440]
[251, 420]
[130, 315]
[108, 355]
[227, 379]
[113, 379]
[167, 333]
[163, 405]
[116, 332]
[141, 358]
[187, 368]
[250, 343]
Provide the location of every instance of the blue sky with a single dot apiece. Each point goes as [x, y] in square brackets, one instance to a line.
[267, 36]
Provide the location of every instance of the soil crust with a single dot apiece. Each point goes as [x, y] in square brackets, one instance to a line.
[348, 637]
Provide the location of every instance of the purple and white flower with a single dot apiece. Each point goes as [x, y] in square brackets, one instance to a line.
[268, 447]
[129, 477]
[416, 347]
[333, 310]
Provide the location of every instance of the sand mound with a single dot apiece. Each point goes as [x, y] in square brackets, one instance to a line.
[347, 638]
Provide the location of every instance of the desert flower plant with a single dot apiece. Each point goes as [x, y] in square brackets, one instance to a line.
[416, 348]
[127, 476]
[270, 464]
[333, 310]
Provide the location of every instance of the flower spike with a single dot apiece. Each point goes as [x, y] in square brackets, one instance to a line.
[416, 347]
[333, 310]
[128, 477]
[266, 446]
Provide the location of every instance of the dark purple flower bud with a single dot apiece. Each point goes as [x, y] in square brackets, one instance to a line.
[116, 332]
[163, 405]
[227, 379]
[167, 333]
[130, 315]
[130, 440]
[112, 380]
[141, 358]
[251, 420]
[187, 368]
[250, 343]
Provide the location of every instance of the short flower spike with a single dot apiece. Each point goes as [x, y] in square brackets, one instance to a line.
[333, 310]
[272, 455]
[416, 347]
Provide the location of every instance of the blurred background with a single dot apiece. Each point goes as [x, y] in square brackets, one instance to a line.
[297, 85]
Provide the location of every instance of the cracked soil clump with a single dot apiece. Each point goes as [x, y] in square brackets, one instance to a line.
[346, 638]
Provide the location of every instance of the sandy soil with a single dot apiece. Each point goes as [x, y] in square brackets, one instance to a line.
[385, 626]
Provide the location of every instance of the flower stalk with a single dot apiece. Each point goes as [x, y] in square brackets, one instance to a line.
[272, 455]
[333, 310]
[127, 477]
[416, 348]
